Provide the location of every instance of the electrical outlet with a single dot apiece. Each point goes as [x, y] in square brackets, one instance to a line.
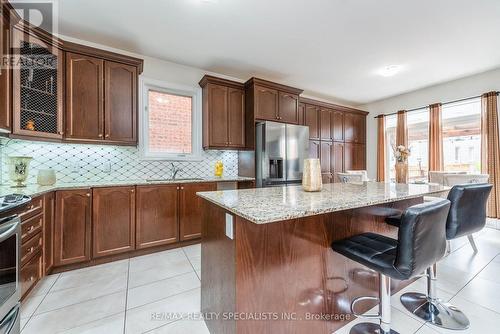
[229, 226]
[106, 167]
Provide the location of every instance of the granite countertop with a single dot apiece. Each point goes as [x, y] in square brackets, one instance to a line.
[267, 205]
[35, 189]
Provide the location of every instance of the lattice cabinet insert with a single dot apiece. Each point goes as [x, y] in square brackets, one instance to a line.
[37, 88]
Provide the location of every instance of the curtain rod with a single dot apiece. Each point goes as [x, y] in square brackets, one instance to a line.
[443, 104]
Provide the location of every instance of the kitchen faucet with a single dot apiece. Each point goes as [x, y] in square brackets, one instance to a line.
[175, 170]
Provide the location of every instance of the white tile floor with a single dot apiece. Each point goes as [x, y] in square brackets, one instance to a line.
[120, 297]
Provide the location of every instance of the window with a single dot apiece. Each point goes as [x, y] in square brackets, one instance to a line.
[390, 142]
[462, 136]
[418, 143]
[170, 122]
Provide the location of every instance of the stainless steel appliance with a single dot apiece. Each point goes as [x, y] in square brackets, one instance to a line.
[10, 262]
[280, 153]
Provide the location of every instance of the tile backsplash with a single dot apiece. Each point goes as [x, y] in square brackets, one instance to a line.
[83, 162]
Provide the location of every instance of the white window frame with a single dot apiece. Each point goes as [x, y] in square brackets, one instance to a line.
[146, 85]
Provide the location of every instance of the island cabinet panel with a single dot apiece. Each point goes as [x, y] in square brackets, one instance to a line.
[120, 108]
[288, 267]
[311, 119]
[288, 108]
[113, 220]
[84, 97]
[190, 209]
[72, 228]
[157, 215]
[223, 113]
[266, 103]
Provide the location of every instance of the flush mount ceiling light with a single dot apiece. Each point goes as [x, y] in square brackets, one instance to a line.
[390, 70]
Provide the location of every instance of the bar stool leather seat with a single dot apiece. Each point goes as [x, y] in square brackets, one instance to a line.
[421, 242]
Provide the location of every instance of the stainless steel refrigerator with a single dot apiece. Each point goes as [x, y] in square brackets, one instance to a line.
[280, 153]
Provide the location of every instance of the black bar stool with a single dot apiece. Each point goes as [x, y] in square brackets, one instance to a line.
[421, 242]
[467, 215]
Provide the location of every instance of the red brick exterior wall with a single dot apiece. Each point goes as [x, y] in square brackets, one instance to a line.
[169, 123]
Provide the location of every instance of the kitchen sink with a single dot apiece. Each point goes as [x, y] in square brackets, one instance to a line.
[176, 179]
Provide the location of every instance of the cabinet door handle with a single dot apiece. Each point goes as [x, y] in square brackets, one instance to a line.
[100, 135]
[182, 188]
[88, 194]
[131, 190]
[107, 135]
[177, 188]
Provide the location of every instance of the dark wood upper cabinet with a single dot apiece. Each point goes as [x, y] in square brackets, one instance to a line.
[311, 119]
[223, 113]
[37, 91]
[266, 103]
[84, 97]
[72, 227]
[355, 127]
[5, 77]
[325, 124]
[113, 220]
[236, 123]
[157, 215]
[120, 95]
[190, 209]
[337, 124]
[302, 112]
[288, 108]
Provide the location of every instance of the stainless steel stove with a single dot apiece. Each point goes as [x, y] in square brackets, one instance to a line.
[10, 262]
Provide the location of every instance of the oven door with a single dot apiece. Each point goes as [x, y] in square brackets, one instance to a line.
[10, 264]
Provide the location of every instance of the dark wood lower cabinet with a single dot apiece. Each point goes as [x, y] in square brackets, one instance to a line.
[113, 220]
[48, 231]
[157, 215]
[190, 209]
[72, 228]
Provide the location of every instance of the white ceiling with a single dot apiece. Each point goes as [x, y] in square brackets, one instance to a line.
[329, 48]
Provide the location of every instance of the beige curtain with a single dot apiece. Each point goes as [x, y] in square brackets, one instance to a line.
[435, 138]
[380, 148]
[402, 129]
[490, 150]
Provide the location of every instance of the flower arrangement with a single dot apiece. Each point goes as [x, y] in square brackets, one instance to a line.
[401, 153]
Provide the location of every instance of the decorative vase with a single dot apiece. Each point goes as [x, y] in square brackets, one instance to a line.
[311, 178]
[46, 177]
[18, 170]
[401, 172]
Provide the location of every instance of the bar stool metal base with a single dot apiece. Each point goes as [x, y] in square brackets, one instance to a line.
[434, 311]
[369, 328]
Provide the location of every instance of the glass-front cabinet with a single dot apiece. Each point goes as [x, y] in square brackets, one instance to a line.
[37, 87]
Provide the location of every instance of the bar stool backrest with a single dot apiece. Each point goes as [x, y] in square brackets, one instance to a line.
[421, 237]
[468, 209]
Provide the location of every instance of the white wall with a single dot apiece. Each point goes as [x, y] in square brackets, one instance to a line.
[449, 91]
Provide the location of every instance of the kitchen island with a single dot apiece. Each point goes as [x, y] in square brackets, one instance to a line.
[267, 265]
